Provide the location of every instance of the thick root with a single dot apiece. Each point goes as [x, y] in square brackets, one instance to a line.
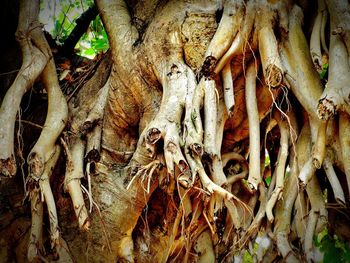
[35, 54]
[74, 172]
[228, 28]
[217, 166]
[302, 76]
[229, 96]
[240, 41]
[333, 180]
[317, 35]
[204, 248]
[281, 165]
[270, 59]
[254, 178]
[56, 119]
[340, 17]
[35, 246]
[93, 125]
[45, 188]
[335, 96]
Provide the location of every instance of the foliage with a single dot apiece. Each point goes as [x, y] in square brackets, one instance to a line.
[266, 165]
[94, 41]
[247, 258]
[59, 20]
[334, 249]
[324, 71]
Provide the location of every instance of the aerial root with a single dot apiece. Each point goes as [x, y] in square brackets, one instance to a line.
[146, 173]
[303, 78]
[284, 211]
[309, 233]
[204, 247]
[318, 137]
[210, 116]
[335, 96]
[39, 194]
[254, 178]
[35, 246]
[228, 88]
[227, 29]
[92, 126]
[268, 48]
[318, 36]
[323, 30]
[218, 175]
[334, 182]
[74, 172]
[317, 217]
[45, 188]
[218, 193]
[34, 58]
[255, 224]
[56, 118]
[193, 122]
[339, 16]
[214, 120]
[281, 163]
[307, 172]
[319, 149]
[96, 113]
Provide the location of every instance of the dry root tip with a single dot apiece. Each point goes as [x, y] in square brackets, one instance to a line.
[252, 188]
[36, 165]
[275, 76]
[8, 167]
[197, 149]
[316, 163]
[208, 67]
[326, 109]
[93, 155]
[87, 127]
[153, 135]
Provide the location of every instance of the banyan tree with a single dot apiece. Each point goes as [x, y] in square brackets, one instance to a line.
[210, 130]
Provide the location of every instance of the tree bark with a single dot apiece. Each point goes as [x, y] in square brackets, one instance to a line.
[161, 156]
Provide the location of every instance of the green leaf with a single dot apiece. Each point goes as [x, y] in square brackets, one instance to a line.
[99, 45]
[90, 52]
[247, 258]
[324, 71]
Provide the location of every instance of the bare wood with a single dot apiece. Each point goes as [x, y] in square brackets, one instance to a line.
[34, 59]
[57, 115]
[254, 178]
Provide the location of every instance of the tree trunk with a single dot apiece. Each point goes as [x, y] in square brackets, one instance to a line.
[161, 155]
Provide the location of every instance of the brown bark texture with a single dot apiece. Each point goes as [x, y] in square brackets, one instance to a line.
[207, 132]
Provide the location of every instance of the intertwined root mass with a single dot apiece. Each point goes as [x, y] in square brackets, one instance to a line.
[222, 114]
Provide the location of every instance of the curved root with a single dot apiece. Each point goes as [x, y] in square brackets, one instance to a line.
[280, 169]
[35, 54]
